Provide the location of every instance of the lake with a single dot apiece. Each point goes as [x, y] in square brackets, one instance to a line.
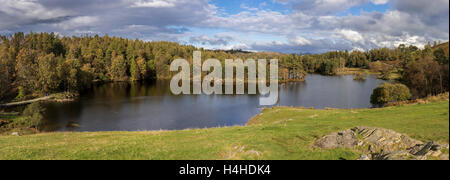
[151, 106]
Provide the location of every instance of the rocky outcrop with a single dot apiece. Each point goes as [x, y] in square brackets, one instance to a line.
[382, 144]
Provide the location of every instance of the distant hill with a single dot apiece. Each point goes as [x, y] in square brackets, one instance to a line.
[444, 46]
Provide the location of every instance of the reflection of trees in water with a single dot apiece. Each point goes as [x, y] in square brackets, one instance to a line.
[62, 116]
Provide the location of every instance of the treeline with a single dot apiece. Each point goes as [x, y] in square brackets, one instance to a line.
[45, 63]
[42, 63]
[424, 71]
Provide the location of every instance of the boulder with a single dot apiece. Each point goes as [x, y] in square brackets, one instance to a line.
[346, 139]
[381, 144]
[15, 134]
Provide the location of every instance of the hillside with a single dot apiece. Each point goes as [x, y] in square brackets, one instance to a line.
[444, 46]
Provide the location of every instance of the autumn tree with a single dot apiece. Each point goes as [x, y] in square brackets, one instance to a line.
[134, 71]
[118, 69]
[143, 67]
[440, 57]
[4, 81]
[27, 70]
[423, 77]
[69, 72]
[48, 75]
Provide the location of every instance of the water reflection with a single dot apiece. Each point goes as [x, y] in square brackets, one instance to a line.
[151, 106]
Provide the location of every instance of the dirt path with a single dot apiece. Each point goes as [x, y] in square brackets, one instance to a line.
[26, 102]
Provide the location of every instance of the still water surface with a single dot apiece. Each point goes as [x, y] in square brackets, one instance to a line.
[151, 106]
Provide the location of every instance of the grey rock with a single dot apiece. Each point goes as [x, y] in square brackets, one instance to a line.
[346, 139]
[381, 144]
[365, 157]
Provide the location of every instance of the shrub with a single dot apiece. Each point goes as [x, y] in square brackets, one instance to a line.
[426, 77]
[329, 67]
[360, 76]
[21, 94]
[390, 93]
[33, 116]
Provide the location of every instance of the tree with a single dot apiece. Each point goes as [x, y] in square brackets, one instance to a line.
[69, 72]
[4, 82]
[424, 77]
[6, 68]
[118, 69]
[135, 71]
[33, 116]
[329, 67]
[385, 71]
[439, 56]
[143, 67]
[27, 70]
[390, 93]
[26, 63]
[48, 75]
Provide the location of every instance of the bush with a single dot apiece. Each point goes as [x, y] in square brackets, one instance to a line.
[426, 77]
[21, 94]
[361, 76]
[390, 93]
[33, 116]
[329, 67]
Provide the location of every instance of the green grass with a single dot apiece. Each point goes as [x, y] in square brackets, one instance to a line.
[279, 133]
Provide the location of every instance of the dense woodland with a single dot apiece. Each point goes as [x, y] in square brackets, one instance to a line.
[36, 64]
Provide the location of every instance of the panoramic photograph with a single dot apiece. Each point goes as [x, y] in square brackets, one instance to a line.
[224, 80]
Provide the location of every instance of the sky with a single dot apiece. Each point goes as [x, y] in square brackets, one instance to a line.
[286, 26]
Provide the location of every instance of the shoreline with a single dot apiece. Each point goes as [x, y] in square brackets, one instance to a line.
[251, 121]
[296, 129]
[57, 97]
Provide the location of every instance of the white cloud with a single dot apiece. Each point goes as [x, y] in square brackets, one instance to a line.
[78, 22]
[154, 3]
[309, 26]
[300, 40]
[216, 40]
[350, 35]
[378, 2]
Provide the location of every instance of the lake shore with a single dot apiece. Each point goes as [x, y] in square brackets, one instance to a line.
[276, 133]
[57, 97]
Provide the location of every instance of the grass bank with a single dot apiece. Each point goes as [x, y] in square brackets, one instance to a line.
[279, 133]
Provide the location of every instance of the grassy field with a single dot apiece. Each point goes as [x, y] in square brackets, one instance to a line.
[279, 133]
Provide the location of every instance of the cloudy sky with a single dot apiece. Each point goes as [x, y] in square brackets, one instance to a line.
[288, 26]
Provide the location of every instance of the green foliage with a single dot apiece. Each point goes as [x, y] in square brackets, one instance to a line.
[134, 71]
[361, 75]
[4, 80]
[426, 77]
[48, 75]
[21, 94]
[390, 93]
[69, 72]
[329, 67]
[45, 62]
[439, 56]
[291, 67]
[33, 116]
[118, 70]
[27, 70]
